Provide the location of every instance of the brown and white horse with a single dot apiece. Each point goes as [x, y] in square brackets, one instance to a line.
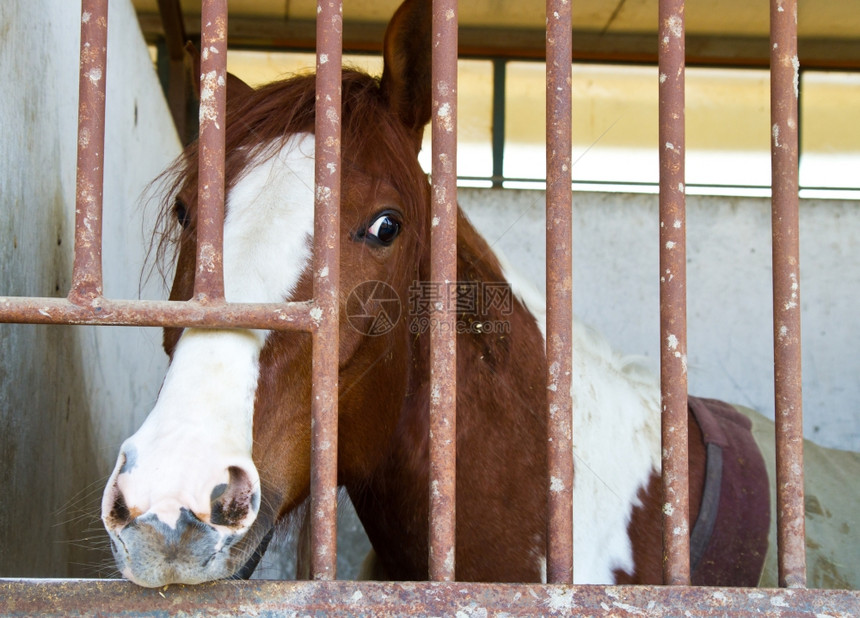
[224, 455]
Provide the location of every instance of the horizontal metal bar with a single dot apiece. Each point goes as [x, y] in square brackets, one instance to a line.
[106, 312]
[529, 43]
[343, 598]
[693, 188]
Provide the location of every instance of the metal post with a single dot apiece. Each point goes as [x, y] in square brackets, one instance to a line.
[784, 77]
[326, 290]
[559, 288]
[443, 271]
[87, 269]
[209, 276]
[174, 48]
[673, 291]
[500, 68]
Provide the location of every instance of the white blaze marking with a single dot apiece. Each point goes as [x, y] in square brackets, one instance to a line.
[200, 425]
[202, 421]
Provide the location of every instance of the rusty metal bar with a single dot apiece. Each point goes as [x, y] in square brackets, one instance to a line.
[209, 276]
[673, 296]
[326, 291]
[443, 272]
[559, 300]
[106, 312]
[174, 28]
[344, 598]
[784, 76]
[177, 87]
[87, 269]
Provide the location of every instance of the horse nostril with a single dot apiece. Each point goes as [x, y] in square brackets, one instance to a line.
[232, 503]
[116, 513]
[120, 512]
[115, 510]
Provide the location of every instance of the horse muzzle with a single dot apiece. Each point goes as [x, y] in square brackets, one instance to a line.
[187, 527]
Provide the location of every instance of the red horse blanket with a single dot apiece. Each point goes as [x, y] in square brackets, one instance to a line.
[729, 540]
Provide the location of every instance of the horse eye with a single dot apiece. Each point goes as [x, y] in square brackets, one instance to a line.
[182, 214]
[383, 230]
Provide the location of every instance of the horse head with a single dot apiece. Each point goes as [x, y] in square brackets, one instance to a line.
[225, 452]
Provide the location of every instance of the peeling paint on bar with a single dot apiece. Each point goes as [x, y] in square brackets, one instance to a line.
[87, 268]
[326, 291]
[443, 267]
[673, 319]
[100, 311]
[788, 400]
[342, 598]
[209, 276]
[559, 339]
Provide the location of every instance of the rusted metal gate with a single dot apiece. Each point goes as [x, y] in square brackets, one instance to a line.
[85, 304]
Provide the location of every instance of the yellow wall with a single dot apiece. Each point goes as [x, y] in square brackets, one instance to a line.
[615, 120]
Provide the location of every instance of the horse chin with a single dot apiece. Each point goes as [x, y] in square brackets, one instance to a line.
[151, 554]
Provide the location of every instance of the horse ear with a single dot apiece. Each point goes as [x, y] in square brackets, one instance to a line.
[406, 76]
[237, 90]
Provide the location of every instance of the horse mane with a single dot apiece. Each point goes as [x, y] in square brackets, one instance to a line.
[259, 121]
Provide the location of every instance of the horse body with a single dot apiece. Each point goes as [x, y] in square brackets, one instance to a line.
[225, 454]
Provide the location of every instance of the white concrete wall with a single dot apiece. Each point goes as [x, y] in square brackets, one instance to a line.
[69, 395]
[729, 298]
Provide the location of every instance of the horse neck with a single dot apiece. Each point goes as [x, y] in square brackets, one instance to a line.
[501, 433]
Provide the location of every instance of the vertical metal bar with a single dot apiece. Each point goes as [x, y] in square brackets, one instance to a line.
[177, 88]
[443, 272]
[87, 269]
[784, 67]
[209, 276]
[500, 66]
[559, 288]
[326, 290]
[673, 301]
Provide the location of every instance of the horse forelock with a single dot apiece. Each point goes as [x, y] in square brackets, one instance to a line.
[373, 142]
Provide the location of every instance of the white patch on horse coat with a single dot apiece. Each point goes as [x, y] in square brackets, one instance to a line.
[269, 223]
[616, 430]
[202, 421]
[191, 437]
